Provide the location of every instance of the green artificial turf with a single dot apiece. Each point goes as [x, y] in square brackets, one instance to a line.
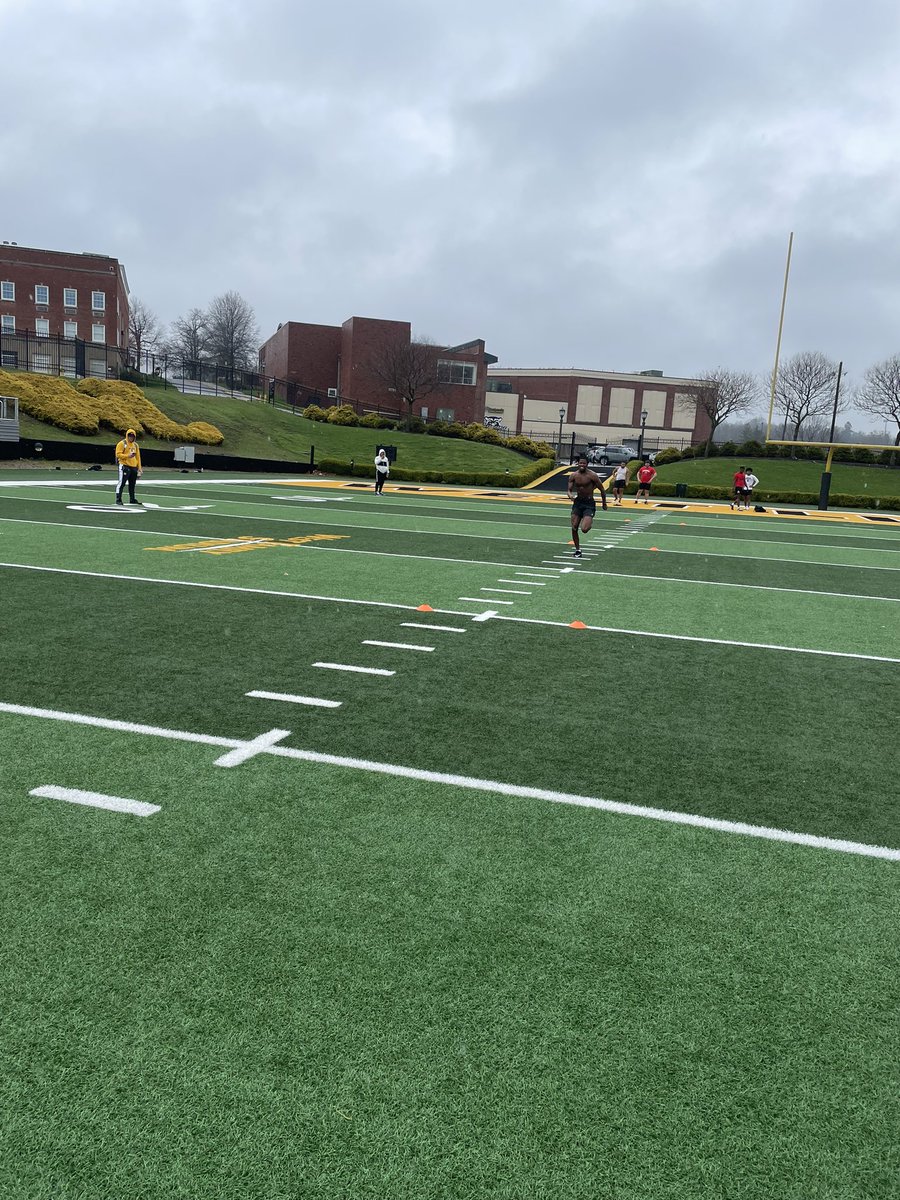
[306, 980]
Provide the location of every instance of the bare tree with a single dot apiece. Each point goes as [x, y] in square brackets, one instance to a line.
[408, 368]
[187, 338]
[804, 390]
[880, 394]
[232, 332]
[720, 394]
[144, 331]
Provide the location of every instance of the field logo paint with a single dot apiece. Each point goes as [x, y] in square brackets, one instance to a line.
[240, 544]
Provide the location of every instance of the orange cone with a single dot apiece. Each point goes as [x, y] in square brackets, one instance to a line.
[424, 608]
[654, 547]
[577, 625]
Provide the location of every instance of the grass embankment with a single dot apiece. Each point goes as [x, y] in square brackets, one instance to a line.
[781, 474]
[260, 431]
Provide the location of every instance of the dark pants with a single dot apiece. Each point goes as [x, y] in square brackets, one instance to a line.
[380, 477]
[126, 475]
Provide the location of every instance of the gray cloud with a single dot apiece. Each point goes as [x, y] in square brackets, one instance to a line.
[602, 184]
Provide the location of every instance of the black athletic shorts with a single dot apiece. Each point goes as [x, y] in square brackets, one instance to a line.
[584, 508]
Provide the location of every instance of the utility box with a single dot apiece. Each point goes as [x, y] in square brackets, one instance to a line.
[390, 451]
[184, 454]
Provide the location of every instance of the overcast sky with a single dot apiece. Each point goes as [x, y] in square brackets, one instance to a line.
[606, 184]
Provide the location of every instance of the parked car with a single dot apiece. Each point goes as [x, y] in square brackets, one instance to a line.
[604, 453]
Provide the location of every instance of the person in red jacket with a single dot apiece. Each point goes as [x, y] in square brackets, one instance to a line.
[645, 476]
[740, 488]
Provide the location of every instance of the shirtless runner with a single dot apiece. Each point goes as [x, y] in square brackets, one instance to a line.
[582, 484]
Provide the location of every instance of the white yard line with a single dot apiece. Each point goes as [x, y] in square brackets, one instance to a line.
[312, 701]
[329, 666]
[756, 587]
[766, 558]
[436, 628]
[136, 808]
[267, 743]
[399, 645]
[679, 637]
[531, 583]
[506, 591]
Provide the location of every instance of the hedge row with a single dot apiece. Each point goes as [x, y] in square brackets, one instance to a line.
[504, 479]
[343, 414]
[755, 449]
[92, 404]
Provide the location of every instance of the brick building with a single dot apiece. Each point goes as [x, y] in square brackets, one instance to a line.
[62, 313]
[339, 364]
[596, 406]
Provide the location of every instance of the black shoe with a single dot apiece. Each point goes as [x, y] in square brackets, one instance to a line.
[120, 502]
[577, 554]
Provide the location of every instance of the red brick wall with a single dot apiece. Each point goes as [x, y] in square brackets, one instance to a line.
[304, 354]
[362, 339]
[26, 267]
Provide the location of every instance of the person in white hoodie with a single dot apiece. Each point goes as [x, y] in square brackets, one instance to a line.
[750, 482]
[382, 470]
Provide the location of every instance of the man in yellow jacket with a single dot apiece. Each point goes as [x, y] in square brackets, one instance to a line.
[128, 456]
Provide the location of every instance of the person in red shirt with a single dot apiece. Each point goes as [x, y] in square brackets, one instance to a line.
[740, 488]
[645, 476]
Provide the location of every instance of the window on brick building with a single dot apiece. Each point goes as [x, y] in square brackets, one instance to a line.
[70, 329]
[98, 333]
[455, 372]
[7, 323]
[70, 297]
[98, 301]
[42, 326]
[67, 365]
[445, 414]
[41, 293]
[7, 290]
[9, 358]
[41, 363]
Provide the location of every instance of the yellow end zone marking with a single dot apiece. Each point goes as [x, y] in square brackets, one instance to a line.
[664, 503]
[239, 545]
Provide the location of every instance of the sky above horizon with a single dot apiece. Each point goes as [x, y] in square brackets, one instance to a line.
[603, 184]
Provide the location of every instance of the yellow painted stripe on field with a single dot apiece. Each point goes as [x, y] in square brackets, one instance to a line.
[664, 503]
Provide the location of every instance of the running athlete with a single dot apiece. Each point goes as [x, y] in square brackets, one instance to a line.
[582, 484]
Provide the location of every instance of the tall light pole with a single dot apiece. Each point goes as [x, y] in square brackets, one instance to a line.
[644, 416]
[562, 413]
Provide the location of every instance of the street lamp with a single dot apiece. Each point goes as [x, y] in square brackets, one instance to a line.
[562, 413]
[644, 416]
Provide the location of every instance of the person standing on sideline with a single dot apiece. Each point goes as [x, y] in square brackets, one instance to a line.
[620, 483]
[645, 476]
[128, 456]
[382, 470]
[582, 484]
[750, 482]
[740, 484]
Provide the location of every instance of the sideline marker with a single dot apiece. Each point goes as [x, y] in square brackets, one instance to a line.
[424, 608]
[654, 548]
[577, 625]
